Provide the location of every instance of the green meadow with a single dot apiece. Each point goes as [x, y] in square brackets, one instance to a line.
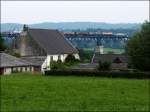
[108, 50]
[115, 51]
[28, 92]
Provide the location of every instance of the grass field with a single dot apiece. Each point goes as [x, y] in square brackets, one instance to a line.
[59, 93]
[116, 51]
[107, 50]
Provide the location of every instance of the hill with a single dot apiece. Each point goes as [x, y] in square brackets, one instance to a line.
[72, 26]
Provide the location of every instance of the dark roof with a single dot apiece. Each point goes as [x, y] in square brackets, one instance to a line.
[109, 57]
[7, 60]
[52, 41]
[35, 60]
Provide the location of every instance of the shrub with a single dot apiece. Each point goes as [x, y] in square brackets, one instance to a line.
[59, 65]
[2, 44]
[104, 66]
[85, 55]
[110, 74]
[117, 60]
[70, 58]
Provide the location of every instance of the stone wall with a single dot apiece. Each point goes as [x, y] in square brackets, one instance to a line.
[27, 46]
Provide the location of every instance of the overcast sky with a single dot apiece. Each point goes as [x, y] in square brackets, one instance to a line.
[28, 12]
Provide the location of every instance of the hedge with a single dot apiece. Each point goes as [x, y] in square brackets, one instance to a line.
[111, 74]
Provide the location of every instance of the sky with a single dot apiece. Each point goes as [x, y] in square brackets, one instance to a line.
[31, 12]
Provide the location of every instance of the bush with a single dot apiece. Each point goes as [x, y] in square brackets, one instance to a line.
[110, 74]
[104, 66]
[70, 58]
[117, 60]
[85, 55]
[59, 65]
[2, 44]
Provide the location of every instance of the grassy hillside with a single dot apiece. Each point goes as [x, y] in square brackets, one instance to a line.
[51, 93]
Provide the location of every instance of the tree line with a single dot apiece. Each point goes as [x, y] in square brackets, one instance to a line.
[138, 48]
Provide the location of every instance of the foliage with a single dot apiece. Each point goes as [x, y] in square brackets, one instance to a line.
[104, 65]
[138, 48]
[33, 93]
[85, 55]
[2, 45]
[91, 73]
[57, 65]
[71, 63]
[117, 60]
[70, 58]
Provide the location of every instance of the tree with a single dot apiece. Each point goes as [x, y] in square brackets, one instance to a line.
[138, 48]
[85, 55]
[2, 45]
[57, 65]
[104, 66]
[70, 58]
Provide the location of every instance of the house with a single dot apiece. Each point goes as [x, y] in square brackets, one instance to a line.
[119, 61]
[37, 61]
[47, 43]
[10, 64]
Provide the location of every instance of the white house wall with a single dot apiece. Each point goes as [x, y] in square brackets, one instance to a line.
[46, 63]
[77, 56]
[7, 71]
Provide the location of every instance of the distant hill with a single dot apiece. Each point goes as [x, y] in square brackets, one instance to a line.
[71, 26]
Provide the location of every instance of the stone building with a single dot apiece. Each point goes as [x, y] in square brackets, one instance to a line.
[46, 43]
[10, 64]
[118, 61]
